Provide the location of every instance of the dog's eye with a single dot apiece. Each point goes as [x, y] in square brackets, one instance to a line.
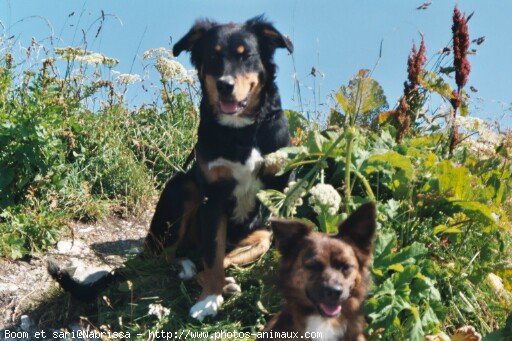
[313, 265]
[343, 267]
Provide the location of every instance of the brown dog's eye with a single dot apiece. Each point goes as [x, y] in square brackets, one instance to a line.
[313, 265]
[343, 267]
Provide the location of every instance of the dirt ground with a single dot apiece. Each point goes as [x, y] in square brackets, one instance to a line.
[100, 245]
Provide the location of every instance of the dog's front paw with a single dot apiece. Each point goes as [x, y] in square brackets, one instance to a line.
[206, 307]
[230, 287]
[188, 269]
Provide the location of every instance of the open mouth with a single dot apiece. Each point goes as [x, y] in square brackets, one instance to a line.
[329, 310]
[232, 107]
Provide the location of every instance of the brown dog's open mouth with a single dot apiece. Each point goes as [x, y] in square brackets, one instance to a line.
[328, 310]
[232, 107]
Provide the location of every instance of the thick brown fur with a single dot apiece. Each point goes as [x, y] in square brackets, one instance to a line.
[319, 270]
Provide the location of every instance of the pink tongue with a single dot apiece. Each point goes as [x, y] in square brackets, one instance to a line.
[228, 107]
[330, 310]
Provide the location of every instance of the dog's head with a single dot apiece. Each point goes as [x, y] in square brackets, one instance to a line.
[324, 273]
[234, 64]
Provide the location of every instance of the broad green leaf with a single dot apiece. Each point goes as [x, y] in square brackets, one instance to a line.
[476, 211]
[451, 181]
[362, 96]
[392, 159]
[384, 243]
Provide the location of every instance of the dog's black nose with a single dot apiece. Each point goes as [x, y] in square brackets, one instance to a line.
[332, 291]
[225, 86]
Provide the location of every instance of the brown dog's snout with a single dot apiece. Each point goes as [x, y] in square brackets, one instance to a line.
[225, 85]
[332, 292]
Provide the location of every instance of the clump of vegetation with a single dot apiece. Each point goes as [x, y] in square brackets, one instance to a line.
[442, 256]
[60, 160]
[441, 178]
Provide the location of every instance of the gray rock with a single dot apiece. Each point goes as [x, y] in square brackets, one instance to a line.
[26, 323]
[69, 247]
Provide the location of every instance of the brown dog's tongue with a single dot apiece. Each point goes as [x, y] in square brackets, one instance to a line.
[330, 310]
[229, 107]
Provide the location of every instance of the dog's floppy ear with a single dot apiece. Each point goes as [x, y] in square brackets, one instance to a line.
[359, 228]
[288, 232]
[188, 42]
[267, 34]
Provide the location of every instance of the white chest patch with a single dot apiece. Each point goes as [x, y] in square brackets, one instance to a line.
[235, 121]
[247, 182]
[323, 329]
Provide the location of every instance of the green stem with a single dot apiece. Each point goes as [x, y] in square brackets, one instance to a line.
[318, 165]
[348, 162]
[366, 185]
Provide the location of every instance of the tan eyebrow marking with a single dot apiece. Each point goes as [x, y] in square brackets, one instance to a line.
[217, 48]
[240, 49]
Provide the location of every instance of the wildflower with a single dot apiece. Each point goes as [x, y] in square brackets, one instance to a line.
[415, 64]
[482, 138]
[126, 78]
[402, 118]
[410, 102]
[82, 56]
[275, 161]
[69, 53]
[325, 198]
[460, 47]
[158, 310]
[295, 199]
[172, 69]
[461, 64]
[96, 58]
[156, 52]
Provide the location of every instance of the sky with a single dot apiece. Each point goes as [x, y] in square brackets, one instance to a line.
[336, 37]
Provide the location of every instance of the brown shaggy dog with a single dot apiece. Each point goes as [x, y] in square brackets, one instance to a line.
[323, 279]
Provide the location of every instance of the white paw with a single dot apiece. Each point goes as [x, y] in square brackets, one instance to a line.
[207, 307]
[188, 269]
[229, 280]
[231, 289]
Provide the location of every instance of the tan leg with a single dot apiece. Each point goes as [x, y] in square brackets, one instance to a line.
[212, 278]
[249, 249]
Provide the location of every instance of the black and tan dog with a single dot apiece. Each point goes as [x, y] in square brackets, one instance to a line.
[213, 207]
[241, 120]
[323, 279]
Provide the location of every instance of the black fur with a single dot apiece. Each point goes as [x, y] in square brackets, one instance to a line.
[267, 134]
[83, 292]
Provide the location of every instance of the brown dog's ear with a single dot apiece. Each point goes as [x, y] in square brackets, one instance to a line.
[192, 37]
[268, 34]
[359, 228]
[288, 232]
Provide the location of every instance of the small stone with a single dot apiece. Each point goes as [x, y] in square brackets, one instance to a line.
[26, 323]
[70, 247]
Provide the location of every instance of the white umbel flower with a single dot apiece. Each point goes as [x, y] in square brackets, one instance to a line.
[275, 161]
[95, 58]
[158, 310]
[126, 78]
[483, 138]
[295, 200]
[325, 197]
[157, 51]
[170, 69]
